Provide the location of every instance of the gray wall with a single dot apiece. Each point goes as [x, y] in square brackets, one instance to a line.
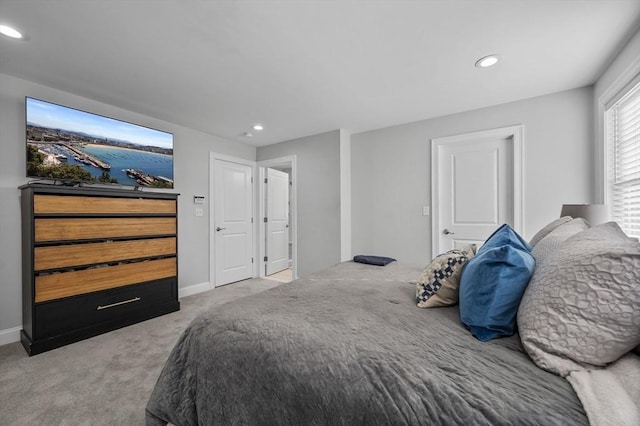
[318, 170]
[391, 173]
[191, 175]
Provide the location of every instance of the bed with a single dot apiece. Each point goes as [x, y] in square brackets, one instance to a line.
[348, 346]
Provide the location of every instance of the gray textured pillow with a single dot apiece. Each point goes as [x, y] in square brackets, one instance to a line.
[547, 229]
[582, 306]
[546, 247]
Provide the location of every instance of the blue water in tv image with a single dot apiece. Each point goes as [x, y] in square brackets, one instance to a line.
[72, 145]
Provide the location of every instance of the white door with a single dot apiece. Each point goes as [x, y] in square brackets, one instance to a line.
[277, 225]
[233, 229]
[476, 186]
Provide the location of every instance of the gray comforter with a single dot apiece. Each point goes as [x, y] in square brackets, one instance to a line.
[348, 346]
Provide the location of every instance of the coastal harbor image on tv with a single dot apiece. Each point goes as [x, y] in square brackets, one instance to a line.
[71, 145]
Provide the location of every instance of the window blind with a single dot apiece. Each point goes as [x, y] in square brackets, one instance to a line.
[623, 137]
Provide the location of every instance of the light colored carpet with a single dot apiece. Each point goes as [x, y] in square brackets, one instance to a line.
[105, 380]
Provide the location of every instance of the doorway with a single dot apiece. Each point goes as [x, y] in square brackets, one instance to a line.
[277, 235]
[278, 219]
[476, 186]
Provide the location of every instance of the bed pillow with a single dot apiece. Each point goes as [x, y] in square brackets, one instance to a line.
[582, 307]
[547, 229]
[505, 235]
[551, 242]
[492, 285]
[373, 260]
[439, 282]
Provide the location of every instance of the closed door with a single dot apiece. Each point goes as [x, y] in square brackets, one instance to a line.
[233, 229]
[277, 224]
[476, 186]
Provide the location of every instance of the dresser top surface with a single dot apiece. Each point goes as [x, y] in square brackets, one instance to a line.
[41, 188]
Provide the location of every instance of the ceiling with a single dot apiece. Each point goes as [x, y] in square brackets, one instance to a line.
[306, 67]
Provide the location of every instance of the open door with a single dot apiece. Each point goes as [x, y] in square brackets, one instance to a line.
[277, 221]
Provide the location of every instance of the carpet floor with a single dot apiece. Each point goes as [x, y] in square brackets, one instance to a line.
[105, 380]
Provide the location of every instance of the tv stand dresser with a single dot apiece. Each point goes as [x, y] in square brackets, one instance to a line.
[94, 260]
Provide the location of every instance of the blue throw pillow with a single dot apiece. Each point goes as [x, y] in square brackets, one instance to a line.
[505, 235]
[492, 284]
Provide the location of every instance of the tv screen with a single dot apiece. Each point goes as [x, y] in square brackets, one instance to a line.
[75, 146]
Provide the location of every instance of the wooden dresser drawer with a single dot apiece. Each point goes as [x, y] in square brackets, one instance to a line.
[54, 257]
[72, 314]
[65, 284]
[69, 229]
[44, 204]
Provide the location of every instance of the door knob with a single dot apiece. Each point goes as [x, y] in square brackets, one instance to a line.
[218, 229]
[447, 232]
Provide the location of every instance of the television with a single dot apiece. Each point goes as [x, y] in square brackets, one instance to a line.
[75, 147]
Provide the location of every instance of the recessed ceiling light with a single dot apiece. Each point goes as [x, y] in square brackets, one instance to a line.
[10, 32]
[247, 134]
[258, 127]
[487, 61]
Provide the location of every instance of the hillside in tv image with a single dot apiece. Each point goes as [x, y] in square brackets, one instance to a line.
[68, 144]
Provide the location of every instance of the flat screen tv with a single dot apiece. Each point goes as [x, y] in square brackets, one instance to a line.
[77, 147]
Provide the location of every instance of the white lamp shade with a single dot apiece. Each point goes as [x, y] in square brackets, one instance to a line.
[595, 214]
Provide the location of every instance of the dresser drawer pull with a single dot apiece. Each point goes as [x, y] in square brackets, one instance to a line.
[135, 299]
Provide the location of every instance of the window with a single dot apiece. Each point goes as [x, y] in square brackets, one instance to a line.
[623, 153]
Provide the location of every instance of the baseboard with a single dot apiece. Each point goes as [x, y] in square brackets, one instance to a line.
[10, 335]
[193, 289]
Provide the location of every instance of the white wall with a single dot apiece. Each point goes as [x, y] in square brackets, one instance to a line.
[318, 173]
[391, 170]
[191, 175]
[345, 195]
[628, 56]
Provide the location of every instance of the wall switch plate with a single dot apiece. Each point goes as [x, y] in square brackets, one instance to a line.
[425, 210]
[199, 211]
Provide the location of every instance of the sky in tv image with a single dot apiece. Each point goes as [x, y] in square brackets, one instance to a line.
[54, 116]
